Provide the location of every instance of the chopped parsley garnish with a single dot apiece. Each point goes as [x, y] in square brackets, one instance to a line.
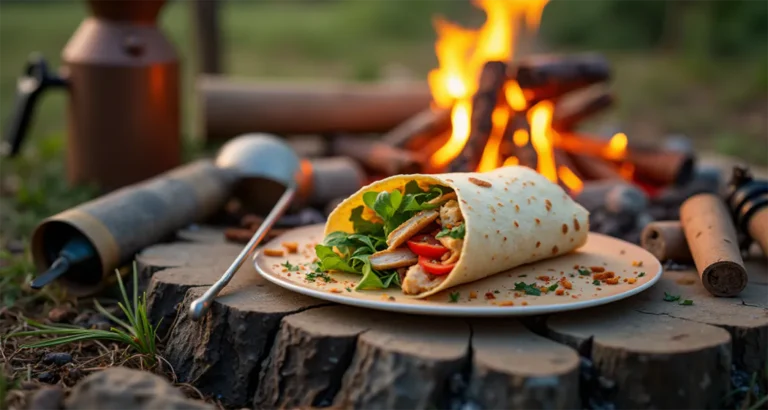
[291, 268]
[495, 291]
[584, 272]
[523, 276]
[671, 298]
[311, 276]
[454, 297]
[457, 232]
[686, 302]
[641, 274]
[528, 289]
[348, 289]
[552, 287]
[571, 275]
[596, 282]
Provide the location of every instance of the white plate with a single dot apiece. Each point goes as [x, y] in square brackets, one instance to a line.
[493, 296]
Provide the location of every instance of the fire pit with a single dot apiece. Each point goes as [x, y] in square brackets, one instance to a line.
[491, 109]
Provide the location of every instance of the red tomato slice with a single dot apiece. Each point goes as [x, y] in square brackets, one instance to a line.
[426, 245]
[434, 267]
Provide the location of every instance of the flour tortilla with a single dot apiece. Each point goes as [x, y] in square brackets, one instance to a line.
[521, 218]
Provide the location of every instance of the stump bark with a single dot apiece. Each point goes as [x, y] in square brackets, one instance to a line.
[262, 346]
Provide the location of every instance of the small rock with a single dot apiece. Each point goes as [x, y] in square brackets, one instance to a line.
[47, 398]
[127, 389]
[82, 319]
[48, 377]
[61, 314]
[59, 359]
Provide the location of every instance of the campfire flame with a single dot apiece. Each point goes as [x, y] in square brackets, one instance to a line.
[461, 54]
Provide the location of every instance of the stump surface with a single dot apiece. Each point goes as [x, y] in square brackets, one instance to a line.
[261, 346]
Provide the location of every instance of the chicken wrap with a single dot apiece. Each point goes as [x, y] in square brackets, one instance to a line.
[427, 233]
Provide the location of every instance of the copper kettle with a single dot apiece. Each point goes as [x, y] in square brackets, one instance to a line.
[123, 113]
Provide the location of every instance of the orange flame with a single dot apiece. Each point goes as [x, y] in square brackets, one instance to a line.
[570, 180]
[461, 54]
[540, 118]
[490, 158]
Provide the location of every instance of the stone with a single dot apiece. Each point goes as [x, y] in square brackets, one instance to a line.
[59, 359]
[47, 398]
[121, 388]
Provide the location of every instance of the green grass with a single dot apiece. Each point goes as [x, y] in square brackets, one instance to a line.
[137, 333]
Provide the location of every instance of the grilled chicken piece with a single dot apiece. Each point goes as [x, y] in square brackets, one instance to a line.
[455, 249]
[393, 259]
[450, 214]
[417, 281]
[411, 227]
[443, 198]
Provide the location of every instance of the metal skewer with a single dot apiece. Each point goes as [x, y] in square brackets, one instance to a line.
[201, 305]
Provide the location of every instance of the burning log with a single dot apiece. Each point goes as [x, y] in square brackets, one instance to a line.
[424, 125]
[568, 115]
[232, 107]
[666, 241]
[518, 142]
[712, 240]
[595, 167]
[490, 86]
[545, 77]
[658, 166]
[378, 156]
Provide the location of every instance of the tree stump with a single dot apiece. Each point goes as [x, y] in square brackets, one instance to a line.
[222, 353]
[262, 346]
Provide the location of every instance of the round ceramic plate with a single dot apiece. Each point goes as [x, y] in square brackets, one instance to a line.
[635, 268]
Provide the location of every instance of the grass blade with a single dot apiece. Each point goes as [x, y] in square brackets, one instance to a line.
[110, 316]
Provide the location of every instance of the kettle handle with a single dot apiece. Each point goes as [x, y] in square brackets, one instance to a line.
[35, 80]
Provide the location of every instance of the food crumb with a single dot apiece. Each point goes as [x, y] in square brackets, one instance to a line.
[489, 295]
[291, 247]
[560, 292]
[273, 252]
[391, 298]
[631, 280]
[597, 269]
[686, 281]
[473, 294]
[637, 263]
[507, 303]
[612, 281]
[335, 290]
[525, 303]
[543, 277]
[566, 283]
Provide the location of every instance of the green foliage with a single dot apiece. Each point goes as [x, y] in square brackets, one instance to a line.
[138, 333]
[697, 29]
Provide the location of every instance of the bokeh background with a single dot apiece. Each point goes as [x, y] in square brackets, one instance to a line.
[697, 68]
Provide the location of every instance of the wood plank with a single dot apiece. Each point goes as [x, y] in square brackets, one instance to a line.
[515, 368]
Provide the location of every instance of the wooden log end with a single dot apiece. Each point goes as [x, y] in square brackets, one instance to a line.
[515, 368]
[666, 241]
[725, 278]
[649, 361]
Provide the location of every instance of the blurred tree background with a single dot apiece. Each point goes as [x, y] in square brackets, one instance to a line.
[698, 68]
